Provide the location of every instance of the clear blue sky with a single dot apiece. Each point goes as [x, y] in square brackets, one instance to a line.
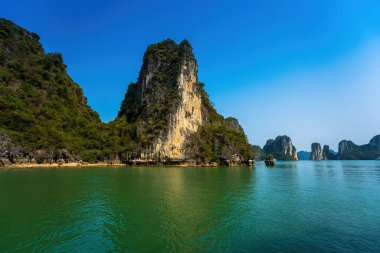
[308, 69]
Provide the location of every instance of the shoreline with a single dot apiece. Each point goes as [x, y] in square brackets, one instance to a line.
[56, 165]
[106, 164]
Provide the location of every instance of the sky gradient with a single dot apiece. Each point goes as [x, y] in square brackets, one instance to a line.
[307, 69]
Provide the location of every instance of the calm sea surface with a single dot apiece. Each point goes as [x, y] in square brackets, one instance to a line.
[304, 206]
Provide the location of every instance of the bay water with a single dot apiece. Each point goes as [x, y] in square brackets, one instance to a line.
[303, 206]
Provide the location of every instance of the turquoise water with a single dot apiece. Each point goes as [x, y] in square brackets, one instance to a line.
[295, 207]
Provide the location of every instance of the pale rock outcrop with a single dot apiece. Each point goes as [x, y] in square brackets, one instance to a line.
[316, 152]
[187, 117]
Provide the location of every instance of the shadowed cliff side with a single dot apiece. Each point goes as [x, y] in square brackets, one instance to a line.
[316, 152]
[350, 151]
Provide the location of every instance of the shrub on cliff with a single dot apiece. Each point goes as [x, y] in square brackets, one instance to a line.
[215, 141]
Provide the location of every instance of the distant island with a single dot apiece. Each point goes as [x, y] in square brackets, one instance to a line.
[282, 149]
[348, 151]
[166, 116]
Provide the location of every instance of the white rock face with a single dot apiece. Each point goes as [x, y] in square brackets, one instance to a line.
[316, 152]
[290, 150]
[187, 117]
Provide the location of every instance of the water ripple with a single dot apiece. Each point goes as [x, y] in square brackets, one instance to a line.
[293, 207]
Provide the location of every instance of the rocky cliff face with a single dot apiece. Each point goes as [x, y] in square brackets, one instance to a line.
[322, 154]
[165, 102]
[316, 152]
[328, 154]
[186, 117]
[281, 148]
[12, 153]
[9, 152]
[350, 151]
[345, 148]
[167, 106]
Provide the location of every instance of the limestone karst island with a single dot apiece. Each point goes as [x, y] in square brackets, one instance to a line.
[166, 117]
[189, 126]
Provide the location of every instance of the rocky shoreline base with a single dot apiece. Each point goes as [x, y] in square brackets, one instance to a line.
[56, 165]
[8, 165]
[14, 156]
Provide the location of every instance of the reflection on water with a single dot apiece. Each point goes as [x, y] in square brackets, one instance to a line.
[293, 207]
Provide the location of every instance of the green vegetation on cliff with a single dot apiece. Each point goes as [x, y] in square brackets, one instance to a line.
[40, 105]
[216, 141]
[218, 138]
